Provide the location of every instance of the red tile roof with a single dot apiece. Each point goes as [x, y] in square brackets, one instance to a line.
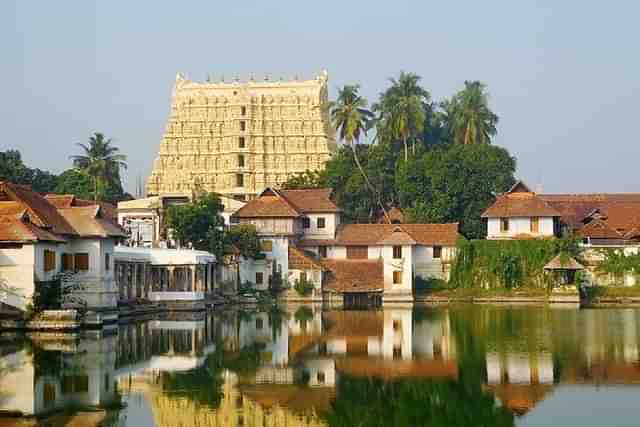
[41, 212]
[520, 204]
[270, 204]
[353, 276]
[69, 200]
[316, 200]
[395, 214]
[300, 260]
[15, 230]
[274, 203]
[90, 221]
[379, 234]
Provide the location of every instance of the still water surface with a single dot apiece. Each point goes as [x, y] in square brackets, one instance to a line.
[305, 366]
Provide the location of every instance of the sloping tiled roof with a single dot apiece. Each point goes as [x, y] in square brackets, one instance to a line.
[599, 229]
[395, 214]
[15, 230]
[299, 260]
[89, 221]
[317, 200]
[377, 234]
[520, 204]
[347, 275]
[63, 201]
[270, 204]
[41, 212]
[569, 264]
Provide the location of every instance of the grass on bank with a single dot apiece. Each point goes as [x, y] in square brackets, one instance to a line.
[595, 292]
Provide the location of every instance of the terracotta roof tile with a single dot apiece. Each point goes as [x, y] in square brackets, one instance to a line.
[347, 276]
[300, 260]
[520, 204]
[316, 200]
[422, 234]
[41, 212]
[13, 229]
[69, 200]
[90, 221]
[269, 204]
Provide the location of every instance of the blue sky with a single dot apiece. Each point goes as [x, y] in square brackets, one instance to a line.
[564, 76]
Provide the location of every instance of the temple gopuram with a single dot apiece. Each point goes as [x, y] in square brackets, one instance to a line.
[237, 138]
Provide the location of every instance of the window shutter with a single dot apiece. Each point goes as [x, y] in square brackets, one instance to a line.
[82, 262]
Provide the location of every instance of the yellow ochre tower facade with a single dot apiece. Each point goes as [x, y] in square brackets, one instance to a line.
[238, 138]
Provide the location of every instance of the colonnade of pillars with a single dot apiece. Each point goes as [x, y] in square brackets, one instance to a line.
[136, 279]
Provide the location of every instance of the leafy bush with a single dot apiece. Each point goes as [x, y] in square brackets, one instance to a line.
[494, 264]
[303, 286]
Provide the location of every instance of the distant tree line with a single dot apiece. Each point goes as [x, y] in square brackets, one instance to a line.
[432, 160]
[95, 174]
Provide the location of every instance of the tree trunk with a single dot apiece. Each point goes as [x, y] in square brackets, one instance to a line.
[373, 190]
[406, 150]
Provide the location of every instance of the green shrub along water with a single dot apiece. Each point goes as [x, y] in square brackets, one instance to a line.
[512, 264]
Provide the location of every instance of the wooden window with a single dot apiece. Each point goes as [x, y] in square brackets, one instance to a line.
[322, 251]
[397, 277]
[259, 277]
[504, 224]
[357, 252]
[241, 142]
[67, 262]
[321, 223]
[306, 223]
[259, 323]
[239, 180]
[397, 252]
[266, 245]
[49, 260]
[107, 262]
[396, 325]
[243, 111]
[535, 224]
[81, 262]
[49, 394]
[397, 352]
[303, 276]
[437, 252]
[321, 378]
[241, 161]
[243, 125]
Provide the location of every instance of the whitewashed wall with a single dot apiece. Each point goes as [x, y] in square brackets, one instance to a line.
[329, 230]
[519, 225]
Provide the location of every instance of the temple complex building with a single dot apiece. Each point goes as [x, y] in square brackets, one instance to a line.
[236, 138]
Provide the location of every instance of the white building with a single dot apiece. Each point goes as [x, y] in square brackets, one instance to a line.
[39, 240]
[144, 218]
[303, 238]
[520, 213]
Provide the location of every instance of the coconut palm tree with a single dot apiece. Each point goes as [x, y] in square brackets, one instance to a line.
[471, 121]
[402, 110]
[351, 117]
[101, 160]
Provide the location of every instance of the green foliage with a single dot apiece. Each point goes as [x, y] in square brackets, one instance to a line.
[375, 402]
[454, 184]
[429, 284]
[303, 286]
[76, 182]
[303, 315]
[616, 263]
[471, 121]
[202, 385]
[494, 264]
[198, 224]
[102, 161]
[13, 169]
[245, 238]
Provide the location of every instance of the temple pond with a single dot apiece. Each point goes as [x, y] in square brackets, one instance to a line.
[307, 366]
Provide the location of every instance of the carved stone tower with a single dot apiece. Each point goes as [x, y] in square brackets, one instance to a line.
[238, 138]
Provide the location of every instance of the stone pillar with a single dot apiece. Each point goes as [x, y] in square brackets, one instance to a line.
[171, 285]
[193, 283]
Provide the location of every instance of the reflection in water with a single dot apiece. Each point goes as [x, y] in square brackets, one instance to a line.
[304, 366]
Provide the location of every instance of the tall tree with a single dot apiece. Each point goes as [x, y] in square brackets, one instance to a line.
[471, 121]
[102, 161]
[352, 118]
[402, 111]
[13, 169]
